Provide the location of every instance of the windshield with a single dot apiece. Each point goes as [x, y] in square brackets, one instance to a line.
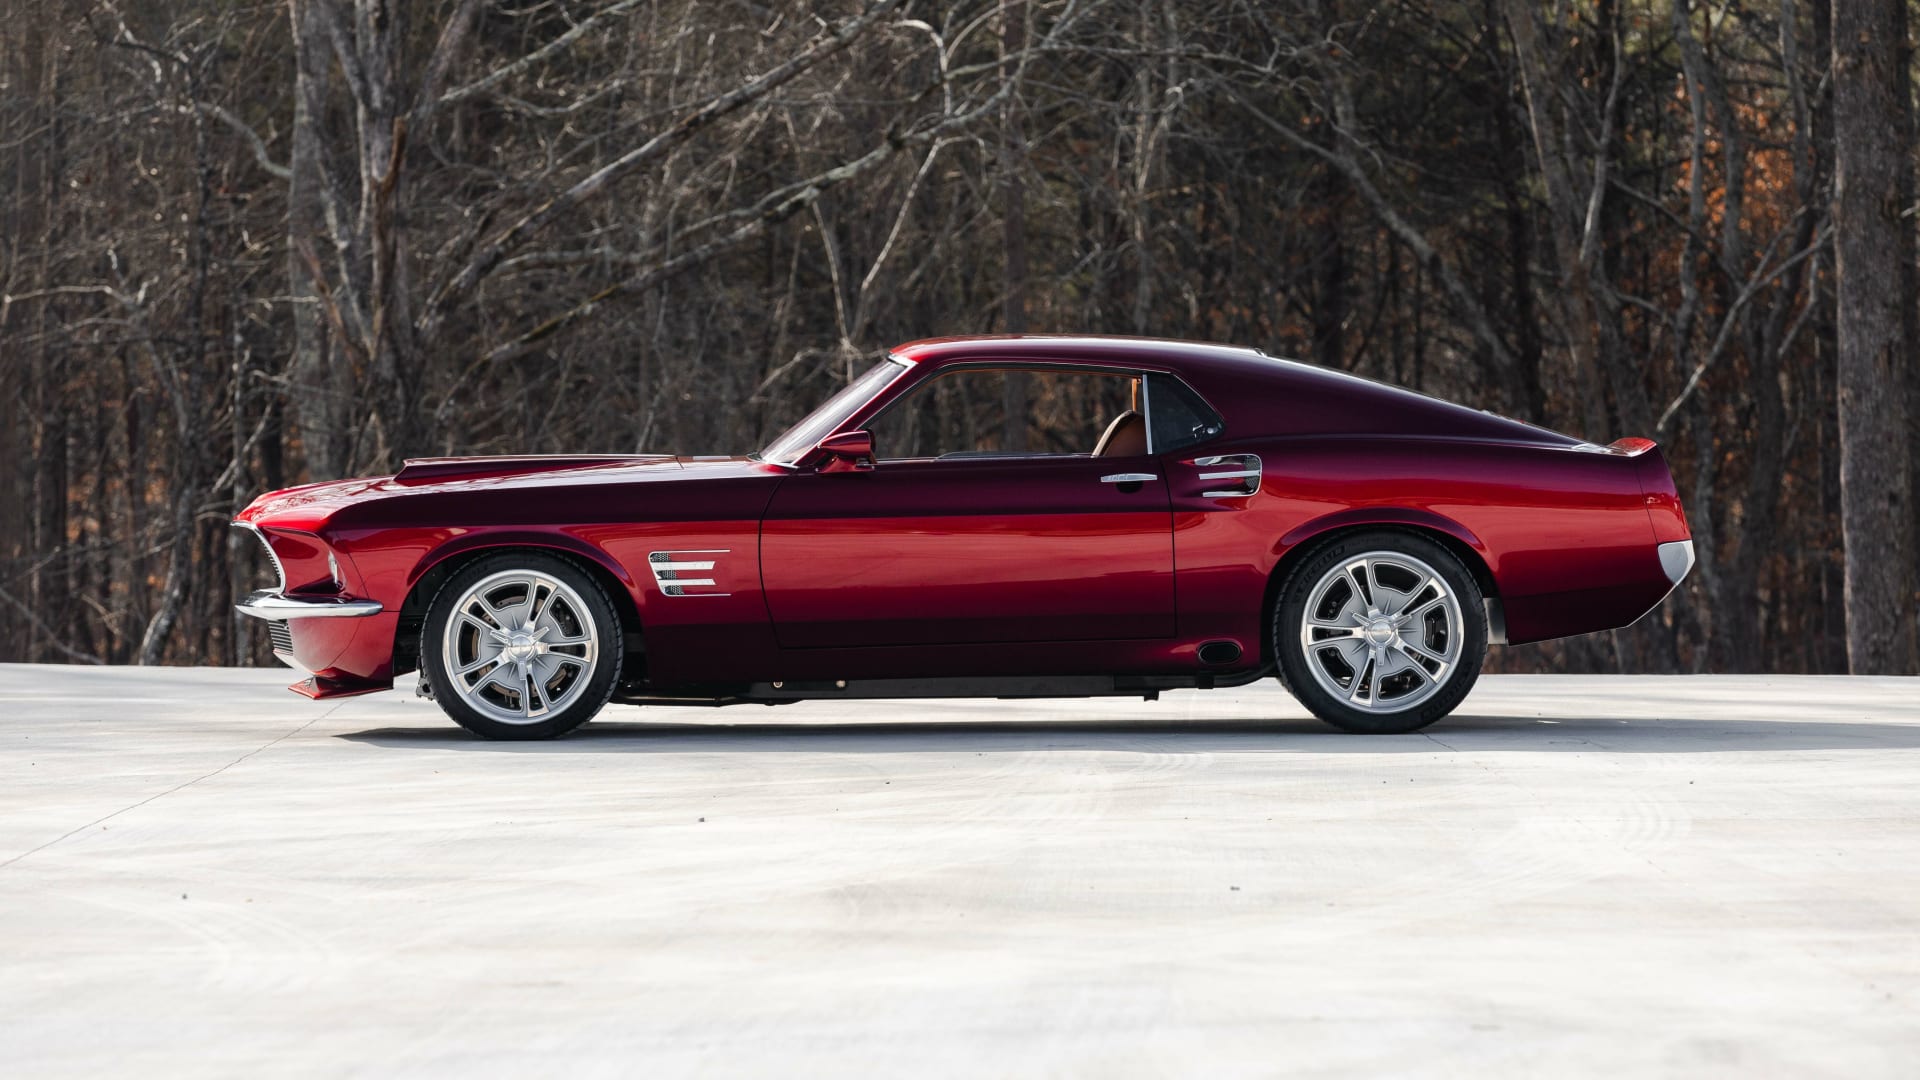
[821, 422]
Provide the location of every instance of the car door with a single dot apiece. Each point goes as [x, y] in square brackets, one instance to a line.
[957, 538]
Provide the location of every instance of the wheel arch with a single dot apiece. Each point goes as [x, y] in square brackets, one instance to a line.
[1299, 544]
[442, 564]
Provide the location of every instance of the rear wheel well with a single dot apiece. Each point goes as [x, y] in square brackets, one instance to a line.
[413, 611]
[1296, 554]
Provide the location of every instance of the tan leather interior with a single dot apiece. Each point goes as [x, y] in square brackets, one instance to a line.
[1125, 437]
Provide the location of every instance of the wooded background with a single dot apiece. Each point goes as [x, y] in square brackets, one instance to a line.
[247, 245]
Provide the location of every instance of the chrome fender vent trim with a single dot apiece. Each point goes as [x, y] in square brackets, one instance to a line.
[1241, 471]
[686, 573]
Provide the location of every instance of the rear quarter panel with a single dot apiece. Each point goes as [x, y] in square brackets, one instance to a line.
[1565, 534]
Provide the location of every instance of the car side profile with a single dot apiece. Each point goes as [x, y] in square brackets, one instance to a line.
[995, 516]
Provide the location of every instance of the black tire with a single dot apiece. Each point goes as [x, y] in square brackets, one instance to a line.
[585, 683]
[1297, 669]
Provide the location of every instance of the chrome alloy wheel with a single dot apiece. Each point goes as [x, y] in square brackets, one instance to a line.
[520, 646]
[1382, 632]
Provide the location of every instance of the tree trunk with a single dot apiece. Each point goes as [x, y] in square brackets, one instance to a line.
[320, 404]
[50, 590]
[1873, 137]
[1013, 203]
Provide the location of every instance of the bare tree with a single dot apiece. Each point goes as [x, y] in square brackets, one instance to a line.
[1873, 194]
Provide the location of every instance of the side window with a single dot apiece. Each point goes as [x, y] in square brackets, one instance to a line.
[1177, 415]
[1003, 412]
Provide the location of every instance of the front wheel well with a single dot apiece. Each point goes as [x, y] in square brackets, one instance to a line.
[413, 610]
[1293, 556]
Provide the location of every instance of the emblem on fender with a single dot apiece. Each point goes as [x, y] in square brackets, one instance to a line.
[685, 573]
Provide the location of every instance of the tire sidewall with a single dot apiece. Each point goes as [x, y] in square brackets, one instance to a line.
[600, 684]
[1292, 662]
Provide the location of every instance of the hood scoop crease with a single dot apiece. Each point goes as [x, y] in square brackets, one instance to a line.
[422, 469]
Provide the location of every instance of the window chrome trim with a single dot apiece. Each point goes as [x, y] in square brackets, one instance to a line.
[905, 366]
[1146, 407]
[272, 555]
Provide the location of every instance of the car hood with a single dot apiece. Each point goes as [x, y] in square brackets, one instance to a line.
[311, 506]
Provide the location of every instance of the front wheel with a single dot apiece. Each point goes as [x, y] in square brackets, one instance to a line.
[1380, 632]
[521, 645]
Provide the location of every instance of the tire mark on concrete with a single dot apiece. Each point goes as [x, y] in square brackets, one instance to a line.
[163, 794]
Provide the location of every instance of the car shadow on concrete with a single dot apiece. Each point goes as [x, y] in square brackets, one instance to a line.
[1475, 734]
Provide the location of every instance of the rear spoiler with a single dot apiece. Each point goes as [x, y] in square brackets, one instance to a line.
[1632, 446]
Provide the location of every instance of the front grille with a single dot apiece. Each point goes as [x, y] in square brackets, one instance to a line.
[281, 635]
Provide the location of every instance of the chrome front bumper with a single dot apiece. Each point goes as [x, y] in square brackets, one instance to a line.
[269, 604]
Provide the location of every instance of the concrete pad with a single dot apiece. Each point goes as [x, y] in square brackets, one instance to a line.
[202, 874]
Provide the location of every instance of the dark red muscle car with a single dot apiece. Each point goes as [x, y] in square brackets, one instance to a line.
[1015, 517]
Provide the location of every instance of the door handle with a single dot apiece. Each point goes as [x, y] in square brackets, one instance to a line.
[1128, 478]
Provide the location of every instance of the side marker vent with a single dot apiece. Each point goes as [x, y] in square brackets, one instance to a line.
[686, 573]
[1229, 476]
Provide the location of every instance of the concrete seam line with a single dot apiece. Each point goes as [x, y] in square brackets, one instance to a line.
[163, 794]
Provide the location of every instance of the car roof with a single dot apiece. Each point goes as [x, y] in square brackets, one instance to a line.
[1082, 348]
[1247, 386]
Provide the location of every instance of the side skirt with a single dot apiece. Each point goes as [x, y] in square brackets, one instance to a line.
[1015, 687]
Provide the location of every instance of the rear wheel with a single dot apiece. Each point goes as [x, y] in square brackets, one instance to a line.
[521, 645]
[1380, 632]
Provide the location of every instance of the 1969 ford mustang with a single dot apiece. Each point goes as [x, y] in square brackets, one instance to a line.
[1013, 517]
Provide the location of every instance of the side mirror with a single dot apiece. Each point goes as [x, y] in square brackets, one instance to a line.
[847, 451]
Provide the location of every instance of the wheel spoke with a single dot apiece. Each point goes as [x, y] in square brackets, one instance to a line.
[1359, 682]
[1401, 607]
[569, 658]
[540, 691]
[1349, 649]
[584, 639]
[1362, 594]
[1413, 663]
[540, 608]
[487, 609]
[1426, 607]
[480, 663]
[492, 678]
[1418, 649]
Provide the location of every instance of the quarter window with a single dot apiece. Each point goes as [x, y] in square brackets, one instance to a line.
[1177, 416]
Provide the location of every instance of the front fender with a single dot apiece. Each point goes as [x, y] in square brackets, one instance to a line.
[555, 539]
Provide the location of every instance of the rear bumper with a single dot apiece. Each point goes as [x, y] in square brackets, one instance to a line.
[273, 606]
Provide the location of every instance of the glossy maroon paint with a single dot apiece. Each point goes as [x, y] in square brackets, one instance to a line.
[828, 569]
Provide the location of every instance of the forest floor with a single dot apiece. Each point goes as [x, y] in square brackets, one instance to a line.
[201, 873]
